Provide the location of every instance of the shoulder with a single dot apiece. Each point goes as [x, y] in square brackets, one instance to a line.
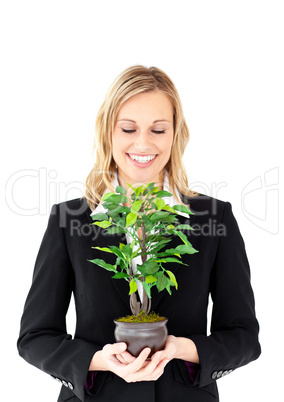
[206, 206]
[211, 216]
[75, 209]
[77, 206]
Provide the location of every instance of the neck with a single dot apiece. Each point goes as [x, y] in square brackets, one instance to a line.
[159, 182]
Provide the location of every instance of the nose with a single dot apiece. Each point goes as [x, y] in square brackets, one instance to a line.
[143, 141]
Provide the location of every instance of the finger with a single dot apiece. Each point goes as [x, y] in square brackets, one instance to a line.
[151, 366]
[170, 348]
[159, 370]
[140, 360]
[129, 360]
[115, 348]
[128, 357]
[121, 359]
[152, 371]
[157, 355]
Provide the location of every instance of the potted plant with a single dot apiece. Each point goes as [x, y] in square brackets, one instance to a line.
[156, 222]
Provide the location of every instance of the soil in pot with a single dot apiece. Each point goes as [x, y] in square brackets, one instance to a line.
[139, 335]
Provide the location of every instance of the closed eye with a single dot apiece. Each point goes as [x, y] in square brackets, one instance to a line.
[133, 131]
[128, 131]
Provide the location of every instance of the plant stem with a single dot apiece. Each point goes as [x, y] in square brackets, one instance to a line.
[146, 304]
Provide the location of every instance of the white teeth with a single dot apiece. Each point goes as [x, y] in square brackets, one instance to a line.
[142, 159]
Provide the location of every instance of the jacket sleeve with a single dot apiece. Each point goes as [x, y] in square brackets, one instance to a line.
[233, 341]
[43, 341]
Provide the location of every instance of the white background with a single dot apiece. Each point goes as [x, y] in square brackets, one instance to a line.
[226, 60]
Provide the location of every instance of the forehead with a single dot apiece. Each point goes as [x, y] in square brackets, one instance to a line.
[154, 104]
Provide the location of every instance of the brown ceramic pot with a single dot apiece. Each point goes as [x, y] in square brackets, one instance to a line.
[138, 336]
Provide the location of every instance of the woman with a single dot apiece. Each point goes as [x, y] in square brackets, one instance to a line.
[141, 135]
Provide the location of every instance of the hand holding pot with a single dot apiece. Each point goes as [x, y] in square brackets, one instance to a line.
[113, 357]
[180, 348]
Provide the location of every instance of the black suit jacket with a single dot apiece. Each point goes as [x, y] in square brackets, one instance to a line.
[220, 268]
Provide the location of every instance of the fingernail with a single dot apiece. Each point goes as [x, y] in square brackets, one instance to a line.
[158, 355]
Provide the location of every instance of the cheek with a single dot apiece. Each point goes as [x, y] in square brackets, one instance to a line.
[116, 143]
[119, 142]
[166, 145]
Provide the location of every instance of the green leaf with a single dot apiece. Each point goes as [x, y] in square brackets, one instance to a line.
[132, 244]
[121, 221]
[139, 189]
[162, 282]
[133, 255]
[149, 187]
[136, 206]
[99, 217]
[147, 289]
[117, 198]
[160, 255]
[163, 193]
[186, 249]
[155, 238]
[173, 278]
[116, 250]
[134, 189]
[103, 264]
[122, 208]
[132, 287]
[171, 259]
[183, 208]
[150, 279]
[182, 236]
[112, 207]
[156, 216]
[103, 249]
[120, 189]
[131, 219]
[122, 263]
[153, 205]
[127, 250]
[168, 287]
[170, 209]
[151, 267]
[169, 219]
[159, 202]
[160, 245]
[120, 275]
[103, 224]
[184, 227]
[106, 196]
[115, 229]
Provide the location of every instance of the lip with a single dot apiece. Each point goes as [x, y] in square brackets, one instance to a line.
[134, 153]
[141, 165]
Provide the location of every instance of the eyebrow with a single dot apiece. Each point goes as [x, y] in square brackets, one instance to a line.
[133, 121]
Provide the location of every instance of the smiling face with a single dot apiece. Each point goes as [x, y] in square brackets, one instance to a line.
[142, 138]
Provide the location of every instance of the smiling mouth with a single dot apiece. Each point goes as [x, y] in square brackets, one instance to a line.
[142, 159]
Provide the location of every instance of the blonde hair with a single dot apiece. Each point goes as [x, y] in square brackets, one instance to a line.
[130, 82]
